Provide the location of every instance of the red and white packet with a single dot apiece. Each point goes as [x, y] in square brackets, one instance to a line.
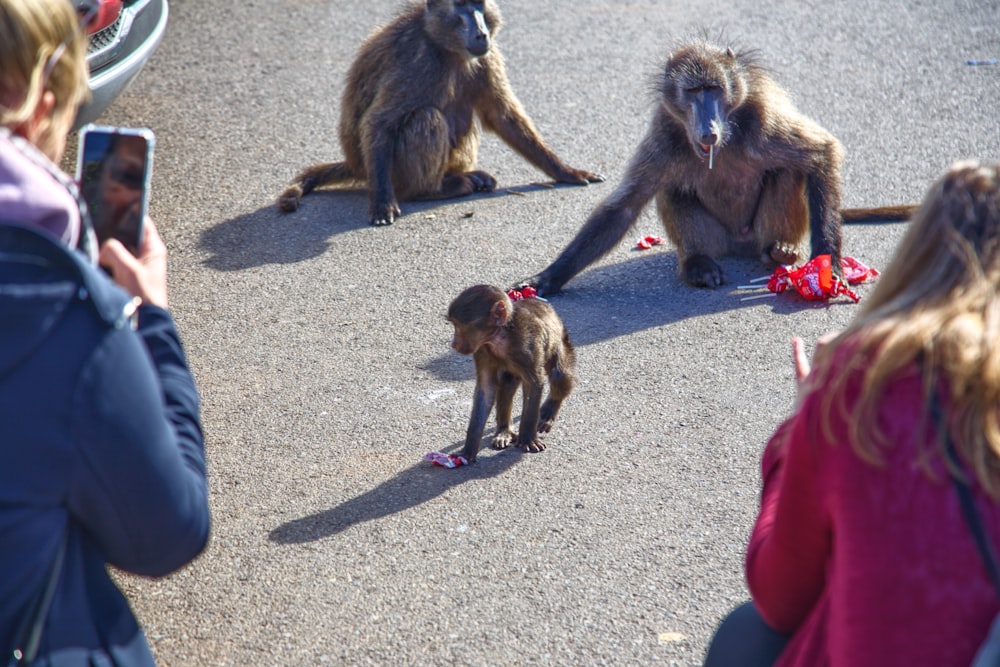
[445, 460]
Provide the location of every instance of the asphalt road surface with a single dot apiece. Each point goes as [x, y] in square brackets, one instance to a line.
[321, 349]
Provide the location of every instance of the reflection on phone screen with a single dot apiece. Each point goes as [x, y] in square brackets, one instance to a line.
[113, 179]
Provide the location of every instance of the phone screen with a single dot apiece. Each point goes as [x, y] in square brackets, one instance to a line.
[114, 169]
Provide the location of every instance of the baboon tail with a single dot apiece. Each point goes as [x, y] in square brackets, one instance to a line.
[881, 214]
[326, 173]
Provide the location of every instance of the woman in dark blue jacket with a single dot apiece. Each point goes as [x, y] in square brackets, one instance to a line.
[101, 450]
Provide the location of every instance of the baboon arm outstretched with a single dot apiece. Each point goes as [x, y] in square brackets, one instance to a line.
[502, 113]
[611, 219]
[824, 217]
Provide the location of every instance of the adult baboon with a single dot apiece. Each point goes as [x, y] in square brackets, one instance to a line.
[408, 118]
[735, 169]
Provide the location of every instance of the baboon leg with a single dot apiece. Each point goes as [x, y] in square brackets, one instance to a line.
[782, 217]
[505, 406]
[527, 435]
[698, 237]
[424, 165]
[311, 178]
[560, 385]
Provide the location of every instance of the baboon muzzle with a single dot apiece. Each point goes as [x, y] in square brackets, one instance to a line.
[708, 123]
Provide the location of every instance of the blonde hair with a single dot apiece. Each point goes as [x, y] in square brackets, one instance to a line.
[31, 32]
[937, 304]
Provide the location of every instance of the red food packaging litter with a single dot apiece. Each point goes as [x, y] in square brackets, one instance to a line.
[445, 460]
[647, 242]
[526, 292]
[814, 280]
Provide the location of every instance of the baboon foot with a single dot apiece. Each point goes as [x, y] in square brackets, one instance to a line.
[547, 416]
[503, 439]
[462, 185]
[290, 198]
[481, 181]
[782, 253]
[533, 445]
[702, 271]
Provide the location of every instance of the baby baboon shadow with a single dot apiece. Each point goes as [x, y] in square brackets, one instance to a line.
[412, 487]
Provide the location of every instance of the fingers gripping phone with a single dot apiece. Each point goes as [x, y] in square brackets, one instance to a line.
[114, 168]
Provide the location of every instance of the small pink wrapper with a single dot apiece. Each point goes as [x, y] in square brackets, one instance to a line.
[445, 460]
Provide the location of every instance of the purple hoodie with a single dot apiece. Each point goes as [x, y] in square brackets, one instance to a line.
[35, 193]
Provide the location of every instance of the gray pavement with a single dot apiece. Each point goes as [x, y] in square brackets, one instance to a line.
[321, 349]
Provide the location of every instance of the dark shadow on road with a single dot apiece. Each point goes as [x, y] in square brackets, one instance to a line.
[642, 293]
[270, 236]
[451, 367]
[646, 292]
[412, 487]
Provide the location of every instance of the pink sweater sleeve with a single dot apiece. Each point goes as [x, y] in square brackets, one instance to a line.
[790, 543]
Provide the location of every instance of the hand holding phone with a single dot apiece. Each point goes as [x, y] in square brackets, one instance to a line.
[114, 170]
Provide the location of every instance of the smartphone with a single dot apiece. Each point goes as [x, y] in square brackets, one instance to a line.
[114, 169]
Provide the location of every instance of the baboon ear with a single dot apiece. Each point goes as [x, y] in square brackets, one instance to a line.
[730, 53]
[499, 314]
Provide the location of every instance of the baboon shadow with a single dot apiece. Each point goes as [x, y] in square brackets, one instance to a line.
[271, 236]
[646, 292]
[642, 293]
[412, 487]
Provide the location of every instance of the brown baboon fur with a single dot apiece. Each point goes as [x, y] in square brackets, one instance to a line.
[408, 123]
[734, 167]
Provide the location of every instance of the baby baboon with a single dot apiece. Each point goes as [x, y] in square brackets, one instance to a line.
[513, 344]
[735, 169]
[408, 123]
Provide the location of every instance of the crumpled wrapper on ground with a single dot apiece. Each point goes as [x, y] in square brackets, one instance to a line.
[814, 280]
[445, 460]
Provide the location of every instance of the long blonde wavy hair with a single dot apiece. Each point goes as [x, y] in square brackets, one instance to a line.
[937, 303]
[31, 32]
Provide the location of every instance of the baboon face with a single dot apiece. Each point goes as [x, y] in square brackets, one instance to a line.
[464, 27]
[476, 314]
[702, 85]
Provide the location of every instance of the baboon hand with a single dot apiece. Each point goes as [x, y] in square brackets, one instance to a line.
[579, 177]
[503, 439]
[385, 213]
[533, 281]
[702, 271]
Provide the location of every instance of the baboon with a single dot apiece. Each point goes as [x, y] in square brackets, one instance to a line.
[414, 94]
[735, 169]
[513, 344]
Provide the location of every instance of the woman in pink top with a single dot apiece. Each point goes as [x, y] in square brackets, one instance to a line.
[860, 555]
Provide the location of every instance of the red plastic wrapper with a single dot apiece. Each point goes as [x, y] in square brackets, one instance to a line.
[647, 242]
[445, 460]
[527, 292]
[814, 280]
